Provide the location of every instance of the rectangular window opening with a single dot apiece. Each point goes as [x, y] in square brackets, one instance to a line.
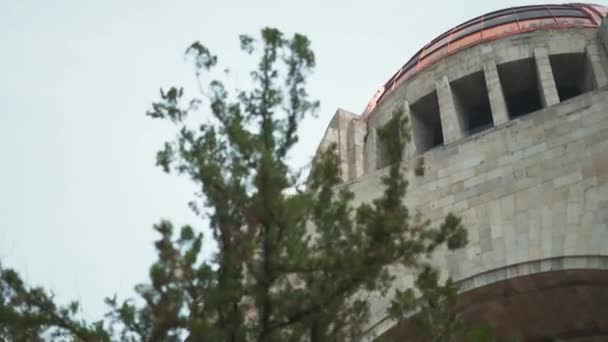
[520, 87]
[472, 103]
[426, 123]
[572, 73]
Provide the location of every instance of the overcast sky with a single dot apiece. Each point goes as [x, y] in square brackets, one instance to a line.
[78, 188]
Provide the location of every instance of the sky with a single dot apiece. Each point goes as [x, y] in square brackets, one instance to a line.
[79, 191]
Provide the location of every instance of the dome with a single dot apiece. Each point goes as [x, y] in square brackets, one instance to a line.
[494, 25]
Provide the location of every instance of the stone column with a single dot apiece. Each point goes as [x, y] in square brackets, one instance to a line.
[546, 82]
[356, 134]
[593, 55]
[500, 113]
[450, 124]
[410, 149]
[348, 148]
[370, 150]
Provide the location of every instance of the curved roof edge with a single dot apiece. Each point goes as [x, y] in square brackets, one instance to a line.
[490, 26]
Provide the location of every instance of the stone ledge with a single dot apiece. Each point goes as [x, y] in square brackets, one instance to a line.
[596, 262]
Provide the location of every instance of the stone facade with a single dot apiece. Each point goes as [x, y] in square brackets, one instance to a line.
[532, 190]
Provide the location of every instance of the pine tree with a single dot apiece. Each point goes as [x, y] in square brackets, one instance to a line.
[296, 260]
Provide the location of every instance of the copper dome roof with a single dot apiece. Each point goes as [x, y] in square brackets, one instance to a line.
[490, 26]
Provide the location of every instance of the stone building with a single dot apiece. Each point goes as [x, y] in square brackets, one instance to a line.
[510, 113]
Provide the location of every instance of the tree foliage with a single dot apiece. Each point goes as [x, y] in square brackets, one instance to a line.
[296, 260]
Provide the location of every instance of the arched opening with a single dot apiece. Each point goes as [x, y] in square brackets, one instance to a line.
[566, 305]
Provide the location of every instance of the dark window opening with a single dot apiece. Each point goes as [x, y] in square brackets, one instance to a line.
[426, 123]
[520, 87]
[572, 74]
[472, 103]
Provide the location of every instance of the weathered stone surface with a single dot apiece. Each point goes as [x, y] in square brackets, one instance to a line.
[525, 192]
[532, 191]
